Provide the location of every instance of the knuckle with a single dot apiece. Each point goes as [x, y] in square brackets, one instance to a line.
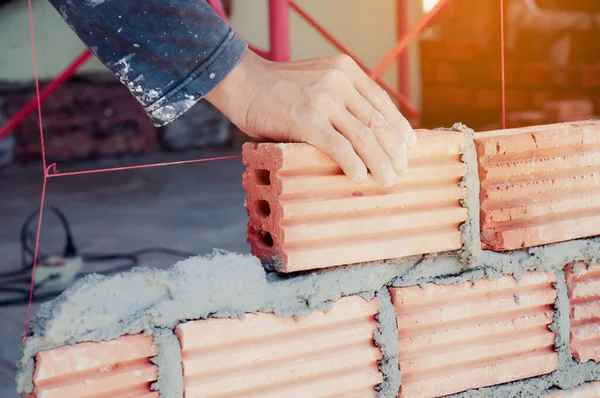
[377, 121]
[313, 118]
[335, 76]
[381, 97]
[320, 100]
[344, 61]
[365, 135]
[306, 116]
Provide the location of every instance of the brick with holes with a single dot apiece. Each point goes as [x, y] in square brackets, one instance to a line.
[306, 214]
[583, 286]
[539, 184]
[116, 368]
[324, 354]
[453, 338]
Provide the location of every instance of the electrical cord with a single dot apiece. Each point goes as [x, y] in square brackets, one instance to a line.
[27, 241]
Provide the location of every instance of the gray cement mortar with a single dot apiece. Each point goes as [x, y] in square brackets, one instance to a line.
[168, 364]
[229, 285]
[386, 338]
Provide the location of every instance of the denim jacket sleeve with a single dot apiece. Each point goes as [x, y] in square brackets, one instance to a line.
[169, 53]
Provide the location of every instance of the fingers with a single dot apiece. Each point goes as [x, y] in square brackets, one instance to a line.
[385, 132]
[325, 137]
[378, 98]
[366, 145]
[381, 101]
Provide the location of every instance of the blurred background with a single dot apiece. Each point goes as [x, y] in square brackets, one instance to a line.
[154, 217]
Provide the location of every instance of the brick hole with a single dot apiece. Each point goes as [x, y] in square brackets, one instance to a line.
[267, 239]
[263, 209]
[263, 177]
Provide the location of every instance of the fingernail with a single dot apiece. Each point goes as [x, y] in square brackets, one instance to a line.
[359, 176]
[389, 178]
[412, 139]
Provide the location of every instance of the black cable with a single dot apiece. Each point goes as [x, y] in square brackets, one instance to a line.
[27, 239]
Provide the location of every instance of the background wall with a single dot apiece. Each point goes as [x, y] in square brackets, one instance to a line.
[368, 30]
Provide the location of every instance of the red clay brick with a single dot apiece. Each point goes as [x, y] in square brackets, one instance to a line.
[428, 71]
[588, 390]
[456, 337]
[525, 118]
[488, 99]
[583, 286]
[519, 100]
[569, 110]
[304, 210]
[534, 74]
[510, 73]
[323, 354]
[595, 98]
[539, 185]
[447, 72]
[433, 49]
[461, 50]
[539, 98]
[590, 76]
[116, 368]
[459, 97]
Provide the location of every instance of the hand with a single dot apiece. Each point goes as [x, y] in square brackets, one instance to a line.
[327, 102]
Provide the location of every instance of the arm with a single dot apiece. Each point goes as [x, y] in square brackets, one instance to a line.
[169, 53]
[172, 53]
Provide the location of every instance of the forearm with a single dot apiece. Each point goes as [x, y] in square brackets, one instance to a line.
[169, 53]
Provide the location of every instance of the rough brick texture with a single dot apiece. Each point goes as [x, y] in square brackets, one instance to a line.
[539, 184]
[89, 116]
[456, 337]
[325, 354]
[569, 110]
[584, 295]
[307, 213]
[119, 368]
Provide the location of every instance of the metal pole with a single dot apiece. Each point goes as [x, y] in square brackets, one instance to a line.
[49, 89]
[279, 30]
[400, 46]
[402, 28]
[404, 102]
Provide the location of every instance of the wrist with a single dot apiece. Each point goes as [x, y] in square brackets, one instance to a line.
[233, 95]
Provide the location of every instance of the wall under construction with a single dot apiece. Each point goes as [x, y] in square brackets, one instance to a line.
[476, 276]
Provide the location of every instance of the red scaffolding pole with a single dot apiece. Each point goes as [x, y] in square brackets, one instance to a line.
[401, 45]
[279, 51]
[402, 99]
[49, 89]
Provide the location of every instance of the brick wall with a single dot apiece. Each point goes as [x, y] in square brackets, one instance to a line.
[501, 303]
[89, 116]
[95, 116]
[461, 75]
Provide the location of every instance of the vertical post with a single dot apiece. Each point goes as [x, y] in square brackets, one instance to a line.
[279, 30]
[402, 28]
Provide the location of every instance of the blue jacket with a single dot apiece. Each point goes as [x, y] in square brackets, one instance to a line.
[169, 53]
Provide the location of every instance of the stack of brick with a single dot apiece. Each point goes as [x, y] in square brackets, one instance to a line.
[496, 293]
[459, 82]
[88, 116]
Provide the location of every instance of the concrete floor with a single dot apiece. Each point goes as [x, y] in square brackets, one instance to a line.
[194, 207]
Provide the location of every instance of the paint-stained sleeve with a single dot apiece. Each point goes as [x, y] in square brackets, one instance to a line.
[169, 53]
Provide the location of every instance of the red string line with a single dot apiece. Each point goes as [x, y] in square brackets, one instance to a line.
[43, 149]
[35, 258]
[51, 171]
[502, 68]
[55, 172]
